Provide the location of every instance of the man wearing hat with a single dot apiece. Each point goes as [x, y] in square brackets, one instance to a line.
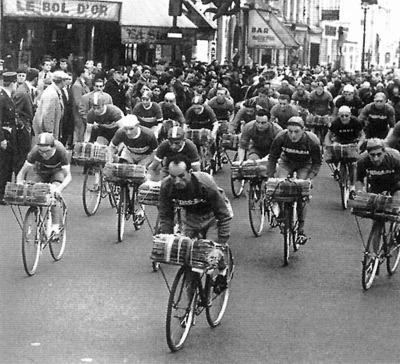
[350, 99]
[175, 144]
[295, 150]
[50, 109]
[116, 88]
[8, 130]
[381, 167]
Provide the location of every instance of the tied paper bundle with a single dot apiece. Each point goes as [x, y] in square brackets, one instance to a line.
[317, 120]
[371, 204]
[149, 193]
[90, 152]
[288, 190]
[180, 250]
[341, 152]
[117, 172]
[230, 141]
[199, 136]
[38, 194]
[249, 169]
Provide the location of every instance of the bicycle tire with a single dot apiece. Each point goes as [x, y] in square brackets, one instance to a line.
[344, 185]
[31, 240]
[181, 308]
[237, 185]
[287, 236]
[122, 212]
[370, 263]
[294, 229]
[217, 302]
[113, 194]
[92, 189]
[393, 249]
[57, 244]
[256, 208]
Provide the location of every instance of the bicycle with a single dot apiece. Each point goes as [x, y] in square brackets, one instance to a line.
[318, 124]
[194, 290]
[293, 192]
[95, 188]
[345, 155]
[383, 242]
[208, 153]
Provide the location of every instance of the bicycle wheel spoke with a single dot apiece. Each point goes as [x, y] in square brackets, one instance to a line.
[92, 190]
[31, 241]
[393, 253]
[57, 243]
[256, 208]
[373, 250]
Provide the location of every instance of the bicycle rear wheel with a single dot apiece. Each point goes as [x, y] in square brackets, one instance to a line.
[393, 249]
[218, 301]
[57, 243]
[371, 261]
[92, 189]
[344, 185]
[256, 209]
[237, 185]
[31, 240]
[122, 211]
[181, 308]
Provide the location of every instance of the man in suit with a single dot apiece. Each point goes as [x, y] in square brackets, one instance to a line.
[115, 87]
[50, 109]
[78, 89]
[67, 121]
[8, 128]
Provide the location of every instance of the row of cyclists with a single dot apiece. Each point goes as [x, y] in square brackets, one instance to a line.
[278, 131]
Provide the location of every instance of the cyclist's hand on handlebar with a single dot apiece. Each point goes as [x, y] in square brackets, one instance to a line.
[57, 193]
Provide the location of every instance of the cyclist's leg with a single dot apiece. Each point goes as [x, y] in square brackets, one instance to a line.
[56, 213]
[283, 170]
[302, 173]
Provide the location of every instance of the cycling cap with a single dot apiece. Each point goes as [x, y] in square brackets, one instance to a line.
[344, 109]
[375, 143]
[46, 139]
[348, 88]
[176, 132]
[98, 99]
[197, 100]
[128, 121]
[251, 103]
[297, 121]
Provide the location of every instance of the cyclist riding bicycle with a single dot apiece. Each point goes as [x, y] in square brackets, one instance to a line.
[283, 111]
[222, 105]
[48, 160]
[345, 129]
[207, 210]
[257, 137]
[175, 144]
[245, 114]
[295, 150]
[380, 166]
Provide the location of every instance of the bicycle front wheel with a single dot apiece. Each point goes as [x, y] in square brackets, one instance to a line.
[113, 193]
[256, 209]
[31, 243]
[57, 243]
[287, 236]
[371, 261]
[393, 253]
[181, 308]
[122, 211]
[237, 185]
[217, 300]
[344, 185]
[92, 190]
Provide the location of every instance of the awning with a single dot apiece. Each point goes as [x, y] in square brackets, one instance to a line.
[314, 29]
[266, 31]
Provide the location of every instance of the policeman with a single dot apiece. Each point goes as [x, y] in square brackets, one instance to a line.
[8, 127]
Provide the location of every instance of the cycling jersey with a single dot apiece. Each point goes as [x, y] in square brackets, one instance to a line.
[111, 115]
[377, 120]
[164, 152]
[354, 104]
[321, 104]
[150, 116]
[222, 110]
[346, 133]
[205, 119]
[144, 143]
[261, 140]
[281, 115]
[303, 100]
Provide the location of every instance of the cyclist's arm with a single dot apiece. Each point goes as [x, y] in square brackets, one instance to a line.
[241, 155]
[166, 207]
[24, 171]
[67, 178]
[153, 168]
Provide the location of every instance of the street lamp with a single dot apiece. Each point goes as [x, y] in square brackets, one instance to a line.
[365, 6]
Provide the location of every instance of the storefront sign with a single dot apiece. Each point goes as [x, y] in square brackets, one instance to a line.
[71, 9]
[261, 34]
[132, 34]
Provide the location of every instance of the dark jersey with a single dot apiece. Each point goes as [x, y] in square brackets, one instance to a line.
[188, 149]
[346, 133]
[260, 139]
[205, 119]
[144, 143]
[149, 117]
[354, 104]
[377, 121]
[51, 165]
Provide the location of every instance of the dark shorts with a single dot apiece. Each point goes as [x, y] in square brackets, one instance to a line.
[57, 176]
[391, 188]
[257, 153]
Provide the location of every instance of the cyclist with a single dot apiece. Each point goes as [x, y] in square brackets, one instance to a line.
[350, 99]
[298, 151]
[103, 118]
[345, 129]
[174, 145]
[172, 115]
[207, 210]
[222, 105]
[243, 116]
[283, 111]
[380, 166]
[257, 137]
[49, 161]
[378, 117]
[138, 146]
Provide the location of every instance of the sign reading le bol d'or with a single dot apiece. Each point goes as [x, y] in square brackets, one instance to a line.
[99, 10]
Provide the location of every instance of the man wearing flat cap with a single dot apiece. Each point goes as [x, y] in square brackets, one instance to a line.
[116, 88]
[50, 109]
[8, 128]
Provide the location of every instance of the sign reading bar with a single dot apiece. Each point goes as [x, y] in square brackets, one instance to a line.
[261, 34]
[72, 9]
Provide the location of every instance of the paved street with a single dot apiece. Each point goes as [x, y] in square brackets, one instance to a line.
[103, 304]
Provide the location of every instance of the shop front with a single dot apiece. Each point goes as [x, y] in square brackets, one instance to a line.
[69, 29]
